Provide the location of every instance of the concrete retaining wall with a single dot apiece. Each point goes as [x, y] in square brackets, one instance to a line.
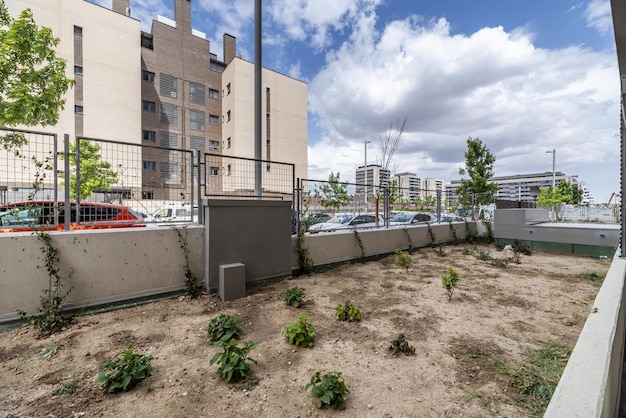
[105, 265]
[590, 384]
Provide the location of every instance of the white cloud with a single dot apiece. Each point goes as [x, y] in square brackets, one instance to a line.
[598, 15]
[519, 99]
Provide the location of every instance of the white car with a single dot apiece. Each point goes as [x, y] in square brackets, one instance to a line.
[409, 218]
[346, 221]
[177, 213]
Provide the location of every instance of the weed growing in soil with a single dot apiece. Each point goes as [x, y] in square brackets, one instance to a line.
[124, 371]
[48, 352]
[233, 360]
[348, 312]
[518, 247]
[403, 260]
[301, 333]
[224, 327]
[401, 345]
[65, 388]
[449, 281]
[329, 389]
[592, 277]
[294, 297]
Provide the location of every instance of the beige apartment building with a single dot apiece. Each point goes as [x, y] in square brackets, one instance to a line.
[97, 44]
[166, 89]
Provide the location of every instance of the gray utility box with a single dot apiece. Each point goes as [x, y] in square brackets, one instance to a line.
[232, 283]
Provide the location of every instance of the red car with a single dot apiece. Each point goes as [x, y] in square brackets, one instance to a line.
[26, 216]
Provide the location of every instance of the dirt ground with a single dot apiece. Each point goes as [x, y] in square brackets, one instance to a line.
[545, 297]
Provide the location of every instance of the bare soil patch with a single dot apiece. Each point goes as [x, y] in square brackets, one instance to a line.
[546, 297]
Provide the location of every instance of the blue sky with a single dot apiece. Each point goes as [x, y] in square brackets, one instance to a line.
[524, 77]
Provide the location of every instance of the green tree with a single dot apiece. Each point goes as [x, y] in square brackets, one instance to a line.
[32, 77]
[95, 174]
[395, 196]
[479, 168]
[333, 194]
[565, 192]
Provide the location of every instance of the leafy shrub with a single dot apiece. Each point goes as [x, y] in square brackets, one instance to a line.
[449, 281]
[301, 333]
[294, 297]
[329, 389]
[233, 359]
[500, 245]
[403, 260]
[401, 345]
[124, 371]
[348, 312]
[518, 247]
[483, 256]
[224, 327]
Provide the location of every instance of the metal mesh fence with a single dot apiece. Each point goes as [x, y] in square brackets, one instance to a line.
[234, 178]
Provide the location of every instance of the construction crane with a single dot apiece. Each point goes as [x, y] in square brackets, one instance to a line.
[611, 198]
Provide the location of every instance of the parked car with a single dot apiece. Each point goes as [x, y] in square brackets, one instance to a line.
[182, 212]
[23, 216]
[409, 218]
[347, 221]
[145, 215]
[315, 218]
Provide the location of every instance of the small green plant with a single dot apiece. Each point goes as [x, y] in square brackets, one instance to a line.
[224, 327]
[483, 256]
[348, 312]
[329, 389]
[401, 345]
[65, 388]
[500, 245]
[449, 281]
[294, 297]
[301, 333]
[592, 277]
[124, 371]
[48, 352]
[467, 251]
[233, 360]
[499, 262]
[403, 260]
[358, 240]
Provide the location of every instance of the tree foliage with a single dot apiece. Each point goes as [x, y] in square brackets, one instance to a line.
[32, 77]
[333, 194]
[565, 192]
[479, 168]
[95, 174]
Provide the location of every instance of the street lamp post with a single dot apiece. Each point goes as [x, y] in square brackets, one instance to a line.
[365, 172]
[553, 152]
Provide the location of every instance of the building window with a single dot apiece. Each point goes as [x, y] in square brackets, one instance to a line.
[197, 143]
[149, 165]
[168, 170]
[197, 120]
[197, 93]
[146, 40]
[214, 171]
[78, 30]
[214, 120]
[228, 116]
[78, 109]
[214, 94]
[214, 145]
[229, 169]
[227, 89]
[147, 195]
[168, 140]
[228, 142]
[168, 85]
[169, 114]
[148, 106]
[78, 70]
[149, 136]
[147, 76]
